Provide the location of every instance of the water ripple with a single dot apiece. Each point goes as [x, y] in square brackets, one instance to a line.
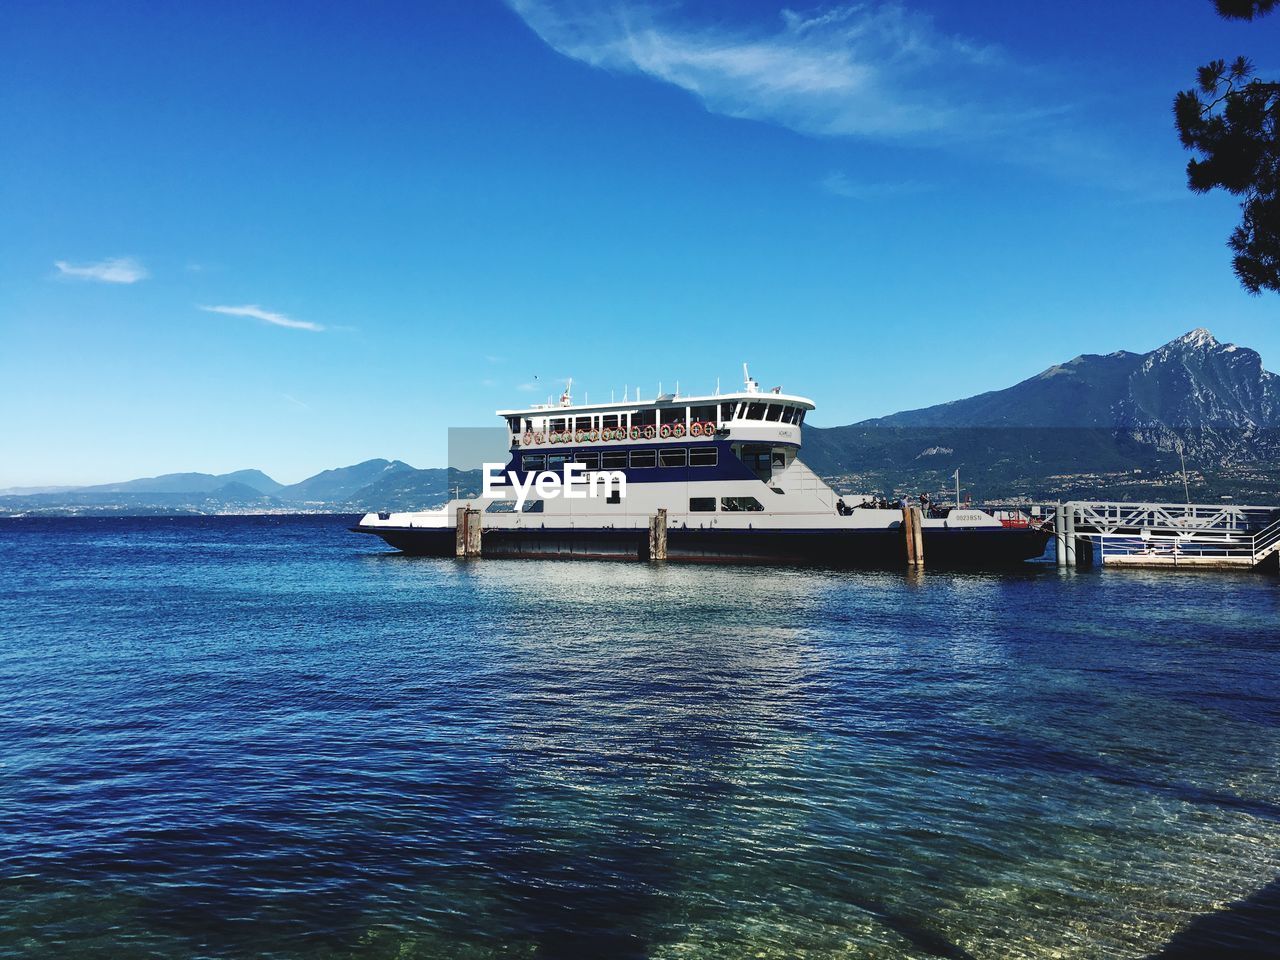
[266, 737]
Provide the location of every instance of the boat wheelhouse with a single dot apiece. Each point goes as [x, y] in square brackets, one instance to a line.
[722, 473]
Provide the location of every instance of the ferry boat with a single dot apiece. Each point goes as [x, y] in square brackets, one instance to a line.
[726, 470]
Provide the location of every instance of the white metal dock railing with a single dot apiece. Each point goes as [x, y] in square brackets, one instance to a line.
[1166, 534]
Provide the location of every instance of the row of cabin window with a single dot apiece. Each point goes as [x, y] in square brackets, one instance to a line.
[509, 506]
[670, 416]
[696, 505]
[622, 459]
[774, 412]
[727, 504]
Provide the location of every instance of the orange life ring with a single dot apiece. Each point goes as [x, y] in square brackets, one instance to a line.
[664, 431]
[708, 429]
[678, 430]
[695, 429]
[593, 436]
[537, 437]
[635, 433]
[580, 435]
[528, 437]
[648, 433]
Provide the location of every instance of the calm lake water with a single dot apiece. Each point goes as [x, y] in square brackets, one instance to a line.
[269, 737]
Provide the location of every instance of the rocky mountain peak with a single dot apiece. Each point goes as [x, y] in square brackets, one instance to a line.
[1196, 382]
[1197, 338]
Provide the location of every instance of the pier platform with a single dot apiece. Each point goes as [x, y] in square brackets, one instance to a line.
[1164, 535]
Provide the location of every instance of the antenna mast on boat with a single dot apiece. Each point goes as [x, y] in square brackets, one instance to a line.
[1186, 489]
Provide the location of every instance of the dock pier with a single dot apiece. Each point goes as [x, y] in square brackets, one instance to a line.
[1162, 535]
[1085, 532]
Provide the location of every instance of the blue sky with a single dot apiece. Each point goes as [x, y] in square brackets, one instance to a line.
[296, 236]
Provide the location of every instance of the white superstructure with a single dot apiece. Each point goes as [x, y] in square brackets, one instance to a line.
[716, 462]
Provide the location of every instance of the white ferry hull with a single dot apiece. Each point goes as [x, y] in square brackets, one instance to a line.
[884, 547]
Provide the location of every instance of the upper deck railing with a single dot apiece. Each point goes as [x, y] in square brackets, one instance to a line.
[693, 421]
[697, 430]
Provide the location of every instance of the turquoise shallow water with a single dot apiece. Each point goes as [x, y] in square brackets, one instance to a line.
[269, 737]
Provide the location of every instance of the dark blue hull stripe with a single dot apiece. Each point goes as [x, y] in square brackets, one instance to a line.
[992, 546]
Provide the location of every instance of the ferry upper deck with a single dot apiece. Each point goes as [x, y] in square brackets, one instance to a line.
[748, 414]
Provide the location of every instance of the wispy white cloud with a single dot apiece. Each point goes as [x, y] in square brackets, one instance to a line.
[841, 185]
[493, 358]
[857, 69]
[266, 316]
[114, 270]
[876, 71]
[529, 387]
[300, 404]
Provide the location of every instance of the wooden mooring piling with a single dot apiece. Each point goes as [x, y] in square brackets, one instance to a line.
[658, 535]
[468, 541]
[913, 536]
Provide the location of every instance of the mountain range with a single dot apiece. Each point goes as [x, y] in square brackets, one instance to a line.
[190, 483]
[381, 483]
[1189, 383]
[1114, 426]
[1119, 425]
